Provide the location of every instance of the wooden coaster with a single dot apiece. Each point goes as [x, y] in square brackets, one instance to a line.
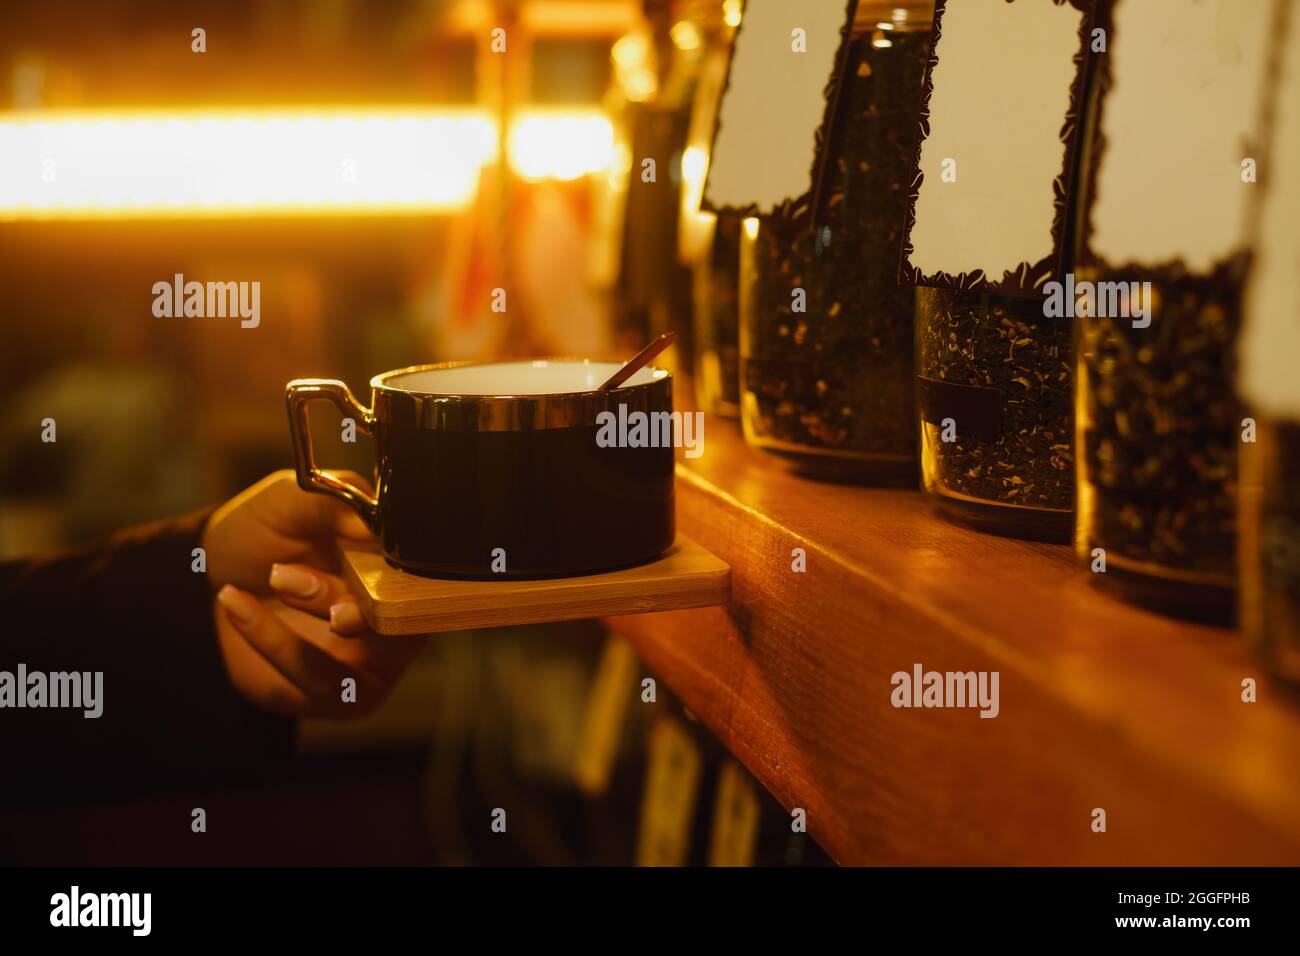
[395, 602]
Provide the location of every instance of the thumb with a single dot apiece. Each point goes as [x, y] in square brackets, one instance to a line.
[312, 514]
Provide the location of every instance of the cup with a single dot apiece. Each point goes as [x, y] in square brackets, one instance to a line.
[505, 469]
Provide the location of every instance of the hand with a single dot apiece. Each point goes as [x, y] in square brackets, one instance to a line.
[289, 630]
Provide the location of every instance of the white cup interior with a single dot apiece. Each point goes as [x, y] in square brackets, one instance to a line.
[517, 378]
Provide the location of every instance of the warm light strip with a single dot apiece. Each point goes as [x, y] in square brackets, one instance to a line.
[560, 144]
[255, 163]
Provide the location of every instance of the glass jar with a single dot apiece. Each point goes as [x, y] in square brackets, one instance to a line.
[715, 285]
[1159, 423]
[994, 389]
[1269, 496]
[825, 326]
[1270, 544]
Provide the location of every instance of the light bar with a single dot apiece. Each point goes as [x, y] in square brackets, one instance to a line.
[560, 144]
[240, 163]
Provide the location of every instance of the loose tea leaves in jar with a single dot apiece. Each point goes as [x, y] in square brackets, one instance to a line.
[995, 384]
[826, 327]
[1161, 429]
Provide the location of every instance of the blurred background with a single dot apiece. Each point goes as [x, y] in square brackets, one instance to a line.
[415, 170]
[380, 168]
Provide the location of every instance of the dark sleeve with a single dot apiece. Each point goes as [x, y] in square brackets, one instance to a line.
[133, 610]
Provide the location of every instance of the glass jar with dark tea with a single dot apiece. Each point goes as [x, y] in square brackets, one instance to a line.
[994, 384]
[1270, 544]
[1159, 425]
[1159, 415]
[826, 338]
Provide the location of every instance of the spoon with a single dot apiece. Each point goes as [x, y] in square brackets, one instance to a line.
[635, 364]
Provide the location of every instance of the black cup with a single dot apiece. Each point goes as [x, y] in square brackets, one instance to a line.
[493, 470]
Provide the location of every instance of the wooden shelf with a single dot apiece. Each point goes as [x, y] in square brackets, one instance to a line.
[1102, 704]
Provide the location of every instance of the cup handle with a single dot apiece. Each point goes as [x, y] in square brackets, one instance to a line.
[300, 393]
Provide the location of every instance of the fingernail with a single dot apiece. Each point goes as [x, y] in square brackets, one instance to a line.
[345, 616]
[294, 581]
[242, 607]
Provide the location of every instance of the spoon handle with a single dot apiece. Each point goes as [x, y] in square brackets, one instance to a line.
[639, 360]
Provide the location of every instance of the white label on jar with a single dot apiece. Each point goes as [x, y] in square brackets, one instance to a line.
[783, 62]
[1270, 344]
[1179, 122]
[1000, 95]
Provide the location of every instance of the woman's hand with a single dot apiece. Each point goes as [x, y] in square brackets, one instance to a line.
[289, 630]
